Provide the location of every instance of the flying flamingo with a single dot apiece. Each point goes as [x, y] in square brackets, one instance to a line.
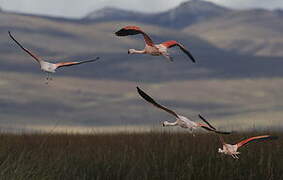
[47, 66]
[150, 47]
[230, 149]
[181, 121]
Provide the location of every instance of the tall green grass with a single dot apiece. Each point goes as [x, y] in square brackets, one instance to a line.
[135, 156]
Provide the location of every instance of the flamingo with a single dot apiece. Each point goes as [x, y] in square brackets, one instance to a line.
[230, 149]
[181, 121]
[47, 66]
[150, 47]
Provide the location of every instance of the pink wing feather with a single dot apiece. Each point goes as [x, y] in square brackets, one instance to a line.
[169, 44]
[133, 30]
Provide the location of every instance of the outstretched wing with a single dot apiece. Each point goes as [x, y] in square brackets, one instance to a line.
[222, 132]
[133, 30]
[209, 127]
[206, 127]
[204, 120]
[38, 59]
[153, 102]
[256, 138]
[63, 64]
[170, 44]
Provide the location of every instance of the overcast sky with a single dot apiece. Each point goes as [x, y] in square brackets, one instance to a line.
[79, 8]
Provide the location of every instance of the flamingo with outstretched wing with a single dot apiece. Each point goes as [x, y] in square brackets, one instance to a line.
[150, 47]
[232, 150]
[181, 121]
[47, 66]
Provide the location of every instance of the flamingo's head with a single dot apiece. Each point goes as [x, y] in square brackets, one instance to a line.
[220, 150]
[165, 123]
[131, 51]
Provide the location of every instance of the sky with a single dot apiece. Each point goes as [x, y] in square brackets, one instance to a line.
[79, 8]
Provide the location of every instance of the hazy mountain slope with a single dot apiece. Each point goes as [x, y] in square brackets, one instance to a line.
[253, 32]
[26, 102]
[257, 32]
[70, 41]
[185, 14]
[103, 93]
[189, 13]
[115, 14]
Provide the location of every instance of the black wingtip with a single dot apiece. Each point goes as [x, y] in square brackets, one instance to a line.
[145, 96]
[10, 34]
[127, 32]
[121, 32]
[139, 90]
[222, 132]
[92, 60]
[193, 59]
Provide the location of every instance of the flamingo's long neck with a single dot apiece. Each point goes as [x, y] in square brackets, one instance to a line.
[170, 124]
[134, 51]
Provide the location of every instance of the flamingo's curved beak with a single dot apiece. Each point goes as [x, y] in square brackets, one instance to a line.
[128, 51]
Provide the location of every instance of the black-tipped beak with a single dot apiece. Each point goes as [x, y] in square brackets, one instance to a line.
[163, 124]
[128, 51]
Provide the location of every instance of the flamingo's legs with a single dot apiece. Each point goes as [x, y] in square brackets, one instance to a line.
[167, 56]
[48, 78]
[192, 132]
[235, 156]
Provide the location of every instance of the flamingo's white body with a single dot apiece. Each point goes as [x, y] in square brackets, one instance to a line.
[181, 121]
[232, 150]
[150, 47]
[47, 66]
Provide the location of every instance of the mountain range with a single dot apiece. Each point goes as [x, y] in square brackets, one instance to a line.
[238, 74]
[253, 31]
[185, 14]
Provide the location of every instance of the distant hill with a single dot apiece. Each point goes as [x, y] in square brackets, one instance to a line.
[185, 14]
[189, 13]
[114, 14]
[257, 32]
[223, 84]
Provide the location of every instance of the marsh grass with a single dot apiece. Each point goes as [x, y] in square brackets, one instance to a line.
[154, 155]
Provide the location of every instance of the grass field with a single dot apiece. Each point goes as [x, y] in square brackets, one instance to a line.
[152, 155]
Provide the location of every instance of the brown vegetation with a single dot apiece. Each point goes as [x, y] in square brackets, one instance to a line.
[135, 156]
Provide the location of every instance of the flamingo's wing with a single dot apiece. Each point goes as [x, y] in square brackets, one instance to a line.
[63, 64]
[222, 132]
[170, 44]
[204, 120]
[209, 127]
[206, 127]
[38, 59]
[153, 102]
[256, 138]
[133, 30]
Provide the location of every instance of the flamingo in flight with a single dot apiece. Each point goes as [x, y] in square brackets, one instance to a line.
[232, 150]
[181, 121]
[150, 47]
[47, 66]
